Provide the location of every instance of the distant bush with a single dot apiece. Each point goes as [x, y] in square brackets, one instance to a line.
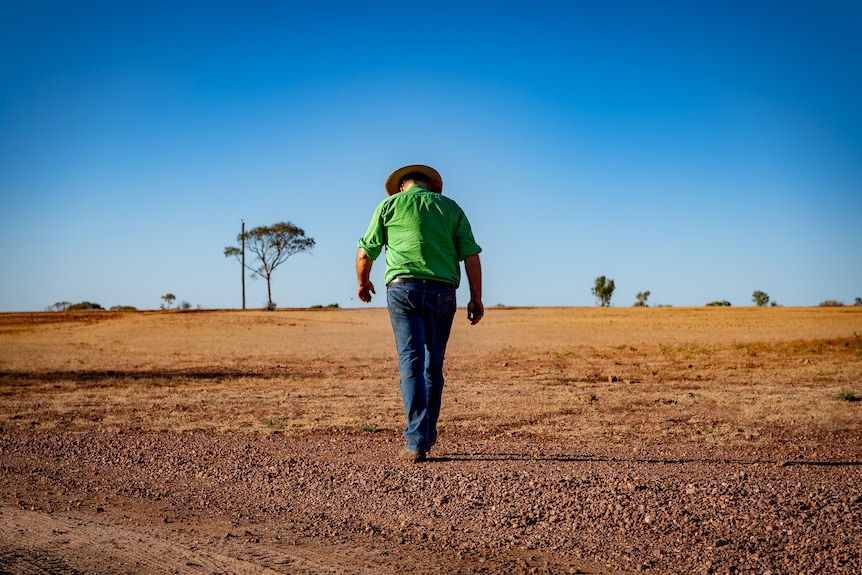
[270, 306]
[124, 308]
[59, 306]
[603, 289]
[846, 396]
[168, 300]
[84, 305]
[723, 303]
[831, 303]
[641, 298]
[760, 298]
[330, 306]
[858, 301]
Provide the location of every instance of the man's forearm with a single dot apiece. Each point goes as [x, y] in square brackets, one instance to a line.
[475, 309]
[363, 266]
[363, 276]
[473, 267]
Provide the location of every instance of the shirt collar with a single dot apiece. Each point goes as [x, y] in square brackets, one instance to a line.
[415, 188]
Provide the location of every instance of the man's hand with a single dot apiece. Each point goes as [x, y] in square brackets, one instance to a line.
[475, 311]
[365, 290]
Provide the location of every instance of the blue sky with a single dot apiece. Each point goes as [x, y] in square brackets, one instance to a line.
[698, 150]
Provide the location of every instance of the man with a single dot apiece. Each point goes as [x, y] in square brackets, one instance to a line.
[426, 236]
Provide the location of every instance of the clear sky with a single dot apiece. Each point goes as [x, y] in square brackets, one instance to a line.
[698, 150]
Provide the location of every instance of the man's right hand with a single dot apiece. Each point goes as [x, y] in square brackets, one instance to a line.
[365, 290]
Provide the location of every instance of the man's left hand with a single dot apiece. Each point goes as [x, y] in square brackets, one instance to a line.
[475, 311]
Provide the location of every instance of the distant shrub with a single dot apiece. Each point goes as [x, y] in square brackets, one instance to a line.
[59, 306]
[124, 308]
[858, 301]
[722, 303]
[846, 396]
[603, 290]
[760, 298]
[330, 306]
[270, 306]
[831, 303]
[641, 298]
[84, 305]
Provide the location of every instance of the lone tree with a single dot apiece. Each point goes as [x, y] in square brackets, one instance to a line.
[760, 298]
[603, 290]
[272, 245]
[642, 297]
[168, 300]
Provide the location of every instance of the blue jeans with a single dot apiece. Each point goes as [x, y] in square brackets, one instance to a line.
[421, 313]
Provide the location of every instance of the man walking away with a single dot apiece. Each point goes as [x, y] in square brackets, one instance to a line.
[426, 236]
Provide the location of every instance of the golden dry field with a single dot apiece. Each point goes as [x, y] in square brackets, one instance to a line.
[693, 374]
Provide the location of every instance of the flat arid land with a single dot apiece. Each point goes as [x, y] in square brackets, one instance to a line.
[572, 440]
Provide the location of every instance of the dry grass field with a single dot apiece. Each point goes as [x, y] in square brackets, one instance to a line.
[701, 374]
[573, 440]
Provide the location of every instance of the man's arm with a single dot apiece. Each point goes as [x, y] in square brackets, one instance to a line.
[363, 274]
[475, 309]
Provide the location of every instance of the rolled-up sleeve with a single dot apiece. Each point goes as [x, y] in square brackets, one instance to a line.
[465, 244]
[375, 237]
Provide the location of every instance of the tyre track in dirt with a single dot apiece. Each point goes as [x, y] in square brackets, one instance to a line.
[35, 543]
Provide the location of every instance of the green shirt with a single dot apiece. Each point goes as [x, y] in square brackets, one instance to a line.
[426, 235]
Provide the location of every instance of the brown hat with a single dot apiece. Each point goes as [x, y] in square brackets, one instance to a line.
[393, 182]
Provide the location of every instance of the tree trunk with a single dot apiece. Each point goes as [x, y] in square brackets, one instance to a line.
[268, 293]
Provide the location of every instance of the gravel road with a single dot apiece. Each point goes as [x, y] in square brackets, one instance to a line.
[231, 503]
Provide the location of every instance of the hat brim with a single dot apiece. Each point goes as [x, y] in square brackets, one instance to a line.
[393, 182]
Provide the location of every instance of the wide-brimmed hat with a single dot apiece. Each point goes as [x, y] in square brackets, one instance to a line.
[393, 182]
